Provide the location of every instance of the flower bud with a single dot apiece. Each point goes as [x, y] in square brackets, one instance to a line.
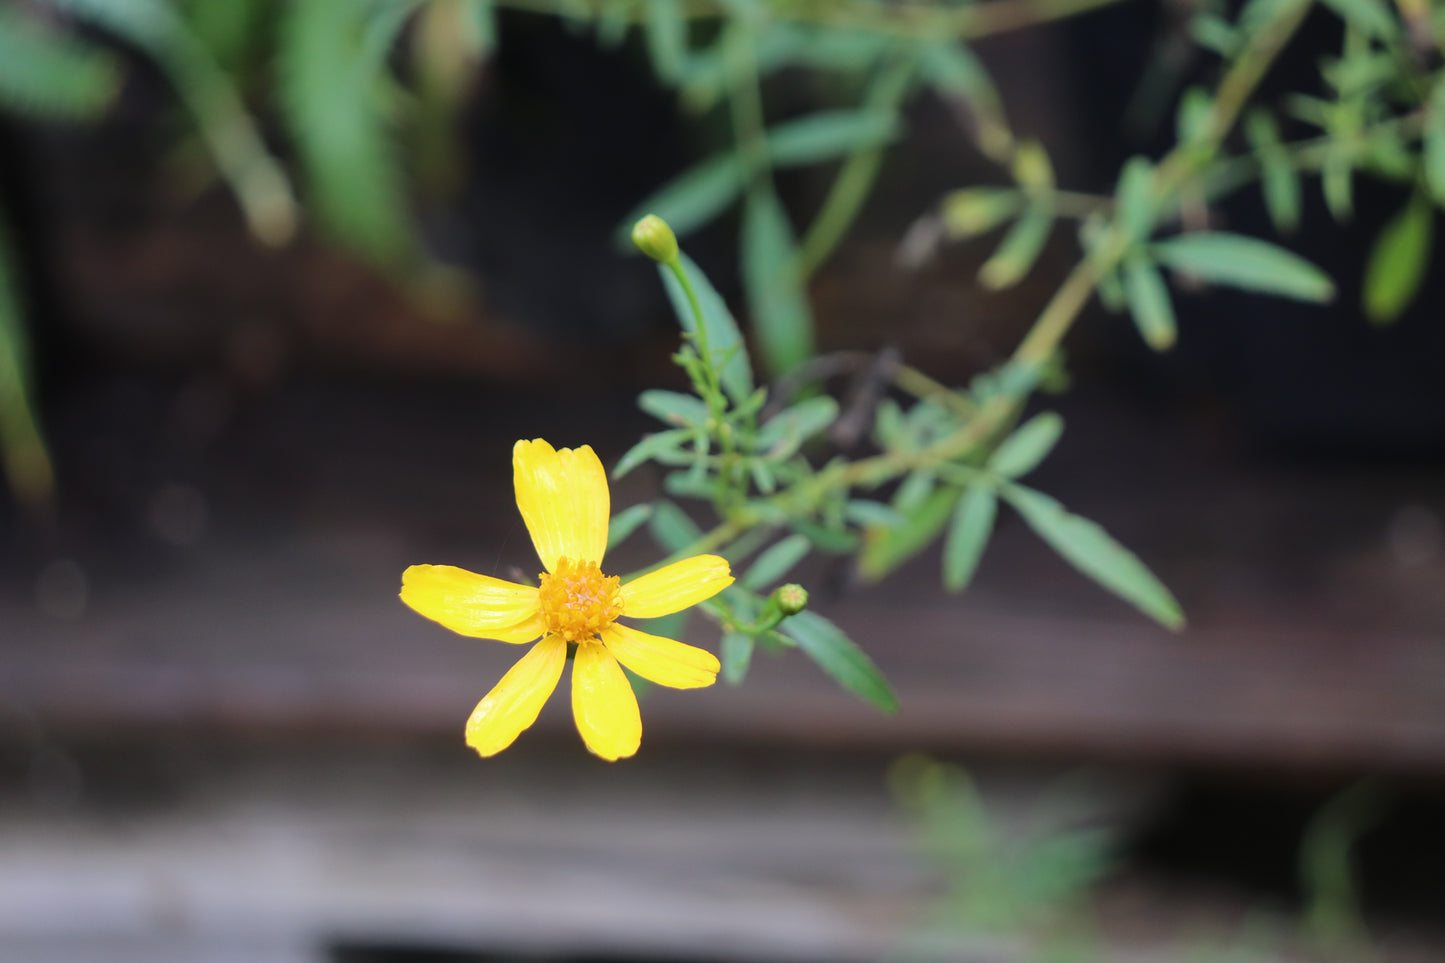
[791, 598]
[655, 239]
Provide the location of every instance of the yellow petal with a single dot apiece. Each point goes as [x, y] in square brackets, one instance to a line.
[564, 500]
[476, 605]
[603, 703]
[515, 701]
[659, 659]
[674, 587]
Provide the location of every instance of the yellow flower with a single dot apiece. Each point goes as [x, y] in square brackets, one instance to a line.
[564, 500]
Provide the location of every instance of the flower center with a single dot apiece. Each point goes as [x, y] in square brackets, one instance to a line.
[578, 601]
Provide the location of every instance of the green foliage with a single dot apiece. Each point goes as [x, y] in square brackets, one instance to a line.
[968, 535]
[841, 658]
[1243, 262]
[1094, 552]
[1398, 261]
[770, 275]
[330, 55]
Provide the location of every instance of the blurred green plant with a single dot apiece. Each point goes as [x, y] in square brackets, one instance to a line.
[1022, 882]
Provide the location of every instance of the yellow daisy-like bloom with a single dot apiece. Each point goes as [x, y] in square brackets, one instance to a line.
[564, 500]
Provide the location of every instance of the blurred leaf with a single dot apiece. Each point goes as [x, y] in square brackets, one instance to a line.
[674, 407]
[886, 549]
[1149, 303]
[1135, 198]
[1212, 33]
[830, 134]
[1371, 16]
[152, 26]
[666, 31]
[1245, 262]
[783, 433]
[825, 539]
[1031, 167]
[782, 318]
[693, 198]
[968, 535]
[671, 526]
[861, 511]
[724, 339]
[626, 522]
[737, 653]
[953, 70]
[1019, 249]
[230, 31]
[22, 447]
[838, 656]
[912, 491]
[972, 211]
[1094, 552]
[649, 447]
[1192, 121]
[1279, 179]
[1337, 181]
[1022, 451]
[1434, 142]
[1398, 261]
[776, 562]
[45, 73]
[327, 88]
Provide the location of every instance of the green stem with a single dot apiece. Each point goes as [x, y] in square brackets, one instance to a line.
[854, 181]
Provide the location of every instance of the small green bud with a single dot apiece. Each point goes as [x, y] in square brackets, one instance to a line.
[792, 598]
[655, 239]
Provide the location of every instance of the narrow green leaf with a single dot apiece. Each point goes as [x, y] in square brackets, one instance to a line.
[782, 317]
[884, 549]
[862, 511]
[23, 453]
[967, 536]
[825, 539]
[1279, 183]
[776, 562]
[1149, 303]
[625, 522]
[1337, 181]
[1135, 197]
[837, 655]
[1022, 451]
[1434, 142]
[737, 654]
[1095, 553]
[1019, 249]
[1371, 16]
[724, 339]
[674, 407]
[672, 527]
[912, 491]
[830, 134]
[1195, 109]
[650, 447]
[692, 199]
[1398, 261]
[971, 211]
[666, 31]
[782, 434]
[1245, 262]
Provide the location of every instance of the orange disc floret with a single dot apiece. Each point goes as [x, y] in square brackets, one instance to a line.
[578, 601]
